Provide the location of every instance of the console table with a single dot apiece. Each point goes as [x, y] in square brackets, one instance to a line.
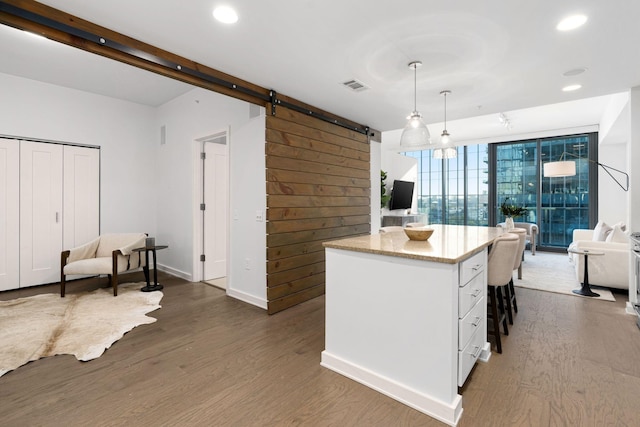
[402, 220]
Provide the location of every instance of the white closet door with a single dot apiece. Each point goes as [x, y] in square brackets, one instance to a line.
[81, 195]
[9, 214]
[40, 212]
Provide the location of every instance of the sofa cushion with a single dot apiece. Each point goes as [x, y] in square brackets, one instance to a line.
[601, 231]
[100, 265]
[622, 225]
[617, 235]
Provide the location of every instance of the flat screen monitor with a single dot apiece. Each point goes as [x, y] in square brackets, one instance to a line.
[401, 195]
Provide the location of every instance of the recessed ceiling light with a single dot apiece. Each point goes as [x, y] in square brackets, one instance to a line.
[574, 72]
[571, 88]
[571, 22]
[225, 15]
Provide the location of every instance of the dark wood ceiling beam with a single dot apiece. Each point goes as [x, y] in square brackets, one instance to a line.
[73, 31]
[82, 34]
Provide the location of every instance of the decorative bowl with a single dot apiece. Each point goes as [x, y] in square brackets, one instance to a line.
[418, 233]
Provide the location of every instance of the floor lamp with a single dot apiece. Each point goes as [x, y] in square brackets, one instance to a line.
[563, 168]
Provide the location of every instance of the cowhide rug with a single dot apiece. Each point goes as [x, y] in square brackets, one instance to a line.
[84, 324]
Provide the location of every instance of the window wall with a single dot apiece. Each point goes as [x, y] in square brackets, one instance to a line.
[557, 205]
[454, 191]
[469, 189]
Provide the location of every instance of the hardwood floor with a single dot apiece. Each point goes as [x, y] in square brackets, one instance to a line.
[211, 360]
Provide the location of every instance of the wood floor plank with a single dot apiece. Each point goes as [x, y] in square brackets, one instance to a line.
[213, 360]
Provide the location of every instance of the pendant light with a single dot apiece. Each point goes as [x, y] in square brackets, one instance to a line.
[415, 133]
[445, 152]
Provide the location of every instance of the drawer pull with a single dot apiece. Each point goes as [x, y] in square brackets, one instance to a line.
[476, 293]
[476, 267]
[477, 353]
[477, 322]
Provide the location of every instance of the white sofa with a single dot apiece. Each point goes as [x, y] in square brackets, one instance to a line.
[611, 269]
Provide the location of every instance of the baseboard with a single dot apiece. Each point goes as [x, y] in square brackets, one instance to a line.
[485, 355]
[448, 413]
[248, 298]
[630, 309]
[174, 272]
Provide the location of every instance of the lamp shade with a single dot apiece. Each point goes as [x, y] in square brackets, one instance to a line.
[415, 133]
[559, 169]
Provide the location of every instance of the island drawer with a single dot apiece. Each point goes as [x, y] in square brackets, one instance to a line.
[468, 325]
[470, 267]
[470, 294]
[468, 356]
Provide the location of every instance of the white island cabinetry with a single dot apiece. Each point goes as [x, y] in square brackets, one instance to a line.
[408, 318]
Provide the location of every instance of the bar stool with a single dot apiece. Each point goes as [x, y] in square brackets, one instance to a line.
[511, 290]
[499, 272]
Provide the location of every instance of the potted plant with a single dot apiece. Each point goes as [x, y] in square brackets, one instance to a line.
[384, 197]
[510, 211]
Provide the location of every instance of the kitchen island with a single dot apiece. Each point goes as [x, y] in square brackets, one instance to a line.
[408, 318]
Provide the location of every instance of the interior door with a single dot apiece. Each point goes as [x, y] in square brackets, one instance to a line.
[215, 196]
[81, 222]
[40, 212]
[9, 214]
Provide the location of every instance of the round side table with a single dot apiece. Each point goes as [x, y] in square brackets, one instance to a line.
[151, 248]
[585, 290]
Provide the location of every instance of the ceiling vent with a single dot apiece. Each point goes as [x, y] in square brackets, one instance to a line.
[355, 85]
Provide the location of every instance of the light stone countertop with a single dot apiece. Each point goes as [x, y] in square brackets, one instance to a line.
[448, 244]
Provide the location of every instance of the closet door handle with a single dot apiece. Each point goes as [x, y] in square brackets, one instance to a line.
[57, 217]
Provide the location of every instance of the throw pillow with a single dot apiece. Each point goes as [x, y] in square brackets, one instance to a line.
[617, 235]
[601, 231]
[622, 225]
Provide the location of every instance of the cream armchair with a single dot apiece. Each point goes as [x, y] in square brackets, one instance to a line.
[532, 233]
[108, 254]
[611, 269]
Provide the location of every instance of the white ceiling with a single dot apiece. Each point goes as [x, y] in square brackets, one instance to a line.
[494, 55]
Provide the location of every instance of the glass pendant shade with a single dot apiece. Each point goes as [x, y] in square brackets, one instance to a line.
[415, 133]
[445, 153]
[445, 138]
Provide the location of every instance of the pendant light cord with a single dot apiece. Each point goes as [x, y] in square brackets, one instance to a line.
[415, 87]
[445, 111]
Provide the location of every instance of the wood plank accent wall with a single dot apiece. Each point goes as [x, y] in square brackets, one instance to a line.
[318, 189]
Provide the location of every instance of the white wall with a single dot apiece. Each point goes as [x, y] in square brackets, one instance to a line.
[248, 267]
[123, 131]
[633, 157]
[194, 115]
[146, 186]
[613, 204]
[375, 168]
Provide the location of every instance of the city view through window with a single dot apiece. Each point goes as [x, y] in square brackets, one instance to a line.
[468, 189]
